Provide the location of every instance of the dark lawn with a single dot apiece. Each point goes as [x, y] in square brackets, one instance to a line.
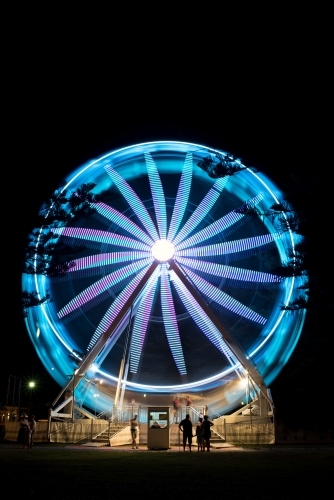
[264, 472]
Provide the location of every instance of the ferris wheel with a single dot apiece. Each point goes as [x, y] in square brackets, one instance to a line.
[172, 288]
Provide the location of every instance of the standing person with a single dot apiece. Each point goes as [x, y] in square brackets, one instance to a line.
[186, 427]
[206, 433]
[188, 401]
[24, 432]
[176, 406]
[199, 435]
[133, 429]
[32, 426]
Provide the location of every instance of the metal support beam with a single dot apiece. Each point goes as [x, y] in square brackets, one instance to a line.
[103, 339]
[235, 348]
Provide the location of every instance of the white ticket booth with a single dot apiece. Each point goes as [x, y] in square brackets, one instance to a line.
[158, 427]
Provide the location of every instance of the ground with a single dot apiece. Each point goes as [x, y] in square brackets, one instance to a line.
[259, 472]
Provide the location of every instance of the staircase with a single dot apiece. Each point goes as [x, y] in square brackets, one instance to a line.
[216, 440]
[102, 439]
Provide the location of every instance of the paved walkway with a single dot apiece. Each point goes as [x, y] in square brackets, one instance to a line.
[94, 446]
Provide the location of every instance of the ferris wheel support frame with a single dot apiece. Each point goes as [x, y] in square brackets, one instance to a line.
[94, 352]
[87, 362]
[190, 238]
[253, 373]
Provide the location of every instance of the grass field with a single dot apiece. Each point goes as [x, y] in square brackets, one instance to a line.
[253, 472]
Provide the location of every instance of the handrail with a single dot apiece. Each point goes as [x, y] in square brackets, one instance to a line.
[218, 434]
[217, 415]
[119, 430]
[94, 436]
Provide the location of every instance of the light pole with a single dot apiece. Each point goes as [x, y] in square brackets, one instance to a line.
[31, 386]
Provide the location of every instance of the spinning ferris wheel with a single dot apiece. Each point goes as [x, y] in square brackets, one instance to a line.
[172, 280]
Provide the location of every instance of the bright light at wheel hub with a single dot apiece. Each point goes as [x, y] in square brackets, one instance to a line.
[163, 250]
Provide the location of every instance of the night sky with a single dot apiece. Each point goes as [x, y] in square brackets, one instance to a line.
[54, 130]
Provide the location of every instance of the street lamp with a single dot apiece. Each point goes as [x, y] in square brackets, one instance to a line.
[31, 385]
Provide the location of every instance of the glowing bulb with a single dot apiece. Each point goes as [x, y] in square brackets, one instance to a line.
[163, 250]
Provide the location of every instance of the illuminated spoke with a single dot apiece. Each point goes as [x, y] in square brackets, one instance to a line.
[122, 221]
[202, 210]
[157, 195]
[97, 236]
[102, 285]
[216, 227]
[115, 308]
[202, 320]
[232, 273]
[141, 321]
[170, 321]
[181, 197]
[236, 249]
[224, 299]
[134, 201]
[87, 265]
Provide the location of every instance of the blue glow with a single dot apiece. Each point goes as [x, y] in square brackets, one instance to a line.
[215, 228]
[181, 197]
[171, 325]
[234, 273]
[99, 260]
[242, 247]
[134, 202]
[122, 221]
[201, 211]
[206, 325]
[114, 309]
[224, 299]
[100, 237]
[157, 195]
[198, 215]
[141, 322]
[103, 284]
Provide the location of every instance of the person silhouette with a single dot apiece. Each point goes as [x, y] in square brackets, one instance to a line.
[176, 407]
[199, 435]
[206, 432]
[32, 427]
[186, 427]
[133, 430]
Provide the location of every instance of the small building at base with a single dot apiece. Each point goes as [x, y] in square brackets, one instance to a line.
[158, 427]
